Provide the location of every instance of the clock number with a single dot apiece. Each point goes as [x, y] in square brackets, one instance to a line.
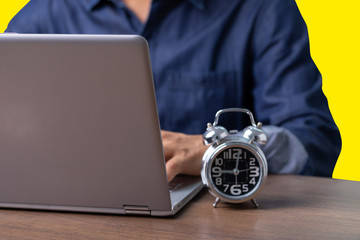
[245, 187]
[219, 161]
[216, 171]
[252, 161]
[237, 154]
[242, 154]
[254, 171]
[218, 181]
[252, 181]
[235, 189]
[227, 154]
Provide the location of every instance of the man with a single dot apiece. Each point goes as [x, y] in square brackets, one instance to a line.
[212, 54]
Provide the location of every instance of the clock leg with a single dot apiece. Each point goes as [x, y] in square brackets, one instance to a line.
[256, 205]
[217, 200]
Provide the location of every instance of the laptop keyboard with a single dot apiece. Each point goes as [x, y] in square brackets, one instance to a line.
[173, 185]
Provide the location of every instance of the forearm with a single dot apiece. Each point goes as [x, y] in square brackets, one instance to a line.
[284, 151]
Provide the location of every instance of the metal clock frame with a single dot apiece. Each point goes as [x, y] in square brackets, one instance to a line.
[220, 140]
[213, 151]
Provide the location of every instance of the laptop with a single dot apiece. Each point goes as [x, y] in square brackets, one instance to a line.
[79, 127]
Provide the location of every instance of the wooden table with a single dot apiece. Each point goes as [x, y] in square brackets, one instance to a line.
[291, 207]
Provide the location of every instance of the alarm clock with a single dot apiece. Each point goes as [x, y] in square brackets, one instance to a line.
[234, 169]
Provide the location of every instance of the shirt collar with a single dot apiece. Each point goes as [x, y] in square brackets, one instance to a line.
[91, 4]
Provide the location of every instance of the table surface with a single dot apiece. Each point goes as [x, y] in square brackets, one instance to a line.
[290, 207]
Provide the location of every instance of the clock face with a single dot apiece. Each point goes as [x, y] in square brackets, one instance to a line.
[235, 172]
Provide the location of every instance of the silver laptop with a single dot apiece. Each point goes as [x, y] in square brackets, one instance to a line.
[79, 128]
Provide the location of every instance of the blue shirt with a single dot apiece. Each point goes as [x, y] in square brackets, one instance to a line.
[213, 54]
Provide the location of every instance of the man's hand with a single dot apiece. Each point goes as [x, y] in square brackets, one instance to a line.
[183, 153]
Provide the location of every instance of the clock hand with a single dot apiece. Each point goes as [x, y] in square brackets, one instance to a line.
[237, 162]
[235, 171]
[227, 171]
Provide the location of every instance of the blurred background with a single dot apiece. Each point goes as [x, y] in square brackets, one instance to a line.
[334, 44]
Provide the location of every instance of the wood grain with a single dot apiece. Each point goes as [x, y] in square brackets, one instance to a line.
[291, 207]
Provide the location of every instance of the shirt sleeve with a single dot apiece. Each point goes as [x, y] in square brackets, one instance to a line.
[288, 93]
[284, 151]
[31, 19]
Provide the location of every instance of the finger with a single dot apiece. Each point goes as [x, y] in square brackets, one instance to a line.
[165, 134]
[169, 146]
[169, 151]
[173, 168]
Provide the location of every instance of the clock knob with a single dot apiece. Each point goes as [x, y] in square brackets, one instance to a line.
[255, 134]
[214, 134]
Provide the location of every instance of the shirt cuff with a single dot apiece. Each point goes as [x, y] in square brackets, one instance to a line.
[284, 152]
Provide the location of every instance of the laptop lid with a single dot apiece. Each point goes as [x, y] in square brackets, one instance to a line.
[79, 127]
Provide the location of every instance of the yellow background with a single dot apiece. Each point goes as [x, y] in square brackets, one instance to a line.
[334, 30]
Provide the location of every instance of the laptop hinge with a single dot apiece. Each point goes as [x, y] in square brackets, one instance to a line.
[137, 210]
